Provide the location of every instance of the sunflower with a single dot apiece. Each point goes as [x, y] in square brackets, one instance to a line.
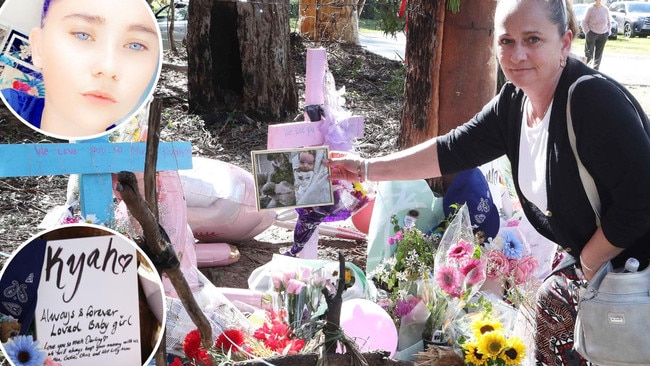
[23, 351]
[514, 352]
[491, 344]
[472, 356]
[484, 325]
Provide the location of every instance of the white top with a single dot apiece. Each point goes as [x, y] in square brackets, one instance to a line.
[532, 159]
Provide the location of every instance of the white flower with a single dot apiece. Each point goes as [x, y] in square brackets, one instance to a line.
[91, 219]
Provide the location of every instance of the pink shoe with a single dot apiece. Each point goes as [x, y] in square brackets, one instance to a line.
[215, 254]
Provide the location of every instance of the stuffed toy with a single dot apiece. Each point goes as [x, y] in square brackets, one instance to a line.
[9, 328]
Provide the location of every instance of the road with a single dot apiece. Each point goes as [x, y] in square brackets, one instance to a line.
[630, 70]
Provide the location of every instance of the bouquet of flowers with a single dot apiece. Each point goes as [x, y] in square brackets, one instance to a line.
[510, 264]
[459, 272]
[489, 344]
[413, 258]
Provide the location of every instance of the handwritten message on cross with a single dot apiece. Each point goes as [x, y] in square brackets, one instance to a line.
[94, 160]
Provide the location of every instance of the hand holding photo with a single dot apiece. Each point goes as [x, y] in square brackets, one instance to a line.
[292, 178]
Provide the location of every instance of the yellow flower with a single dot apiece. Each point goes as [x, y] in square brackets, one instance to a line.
[514, 352]
[491, 344]
[358, 187]
[472, 355]
[485, 325]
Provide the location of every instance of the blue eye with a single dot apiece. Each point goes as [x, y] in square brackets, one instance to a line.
[135, 46]
[82, 36]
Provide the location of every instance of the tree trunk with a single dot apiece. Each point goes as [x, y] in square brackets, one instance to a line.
[330, 20]
[445, 89]
[239, 59]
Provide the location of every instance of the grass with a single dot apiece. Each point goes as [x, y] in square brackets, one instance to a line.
[622, 45]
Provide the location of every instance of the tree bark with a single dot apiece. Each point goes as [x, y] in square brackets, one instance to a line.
[444, 89]
[330, 20]
[239, 59]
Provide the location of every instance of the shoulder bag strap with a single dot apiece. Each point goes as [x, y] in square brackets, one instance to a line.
[587, 180]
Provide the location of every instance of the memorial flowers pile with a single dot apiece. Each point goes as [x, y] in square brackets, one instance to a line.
[489, 344]
[510, 264]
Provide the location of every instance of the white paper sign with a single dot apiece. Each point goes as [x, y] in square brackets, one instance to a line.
[87, 310]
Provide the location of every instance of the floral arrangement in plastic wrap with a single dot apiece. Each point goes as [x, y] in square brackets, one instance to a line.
[510, 264]
[490, 343]
[459, 273]
[24, 350]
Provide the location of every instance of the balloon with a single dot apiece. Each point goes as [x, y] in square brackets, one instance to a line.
[221, 202]
[369, 325]
[361, 218]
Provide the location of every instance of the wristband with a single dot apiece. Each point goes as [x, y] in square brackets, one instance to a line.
[585, 266]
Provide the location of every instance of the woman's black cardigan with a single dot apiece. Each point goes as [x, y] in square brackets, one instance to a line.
[612, 142]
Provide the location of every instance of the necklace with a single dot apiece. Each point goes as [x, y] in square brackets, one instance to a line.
[535, 120]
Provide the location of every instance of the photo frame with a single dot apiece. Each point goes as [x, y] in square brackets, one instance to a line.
[292, 178]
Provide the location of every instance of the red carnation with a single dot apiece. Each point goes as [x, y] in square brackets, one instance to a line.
[229, 339]
[177, 362]
[192, 344]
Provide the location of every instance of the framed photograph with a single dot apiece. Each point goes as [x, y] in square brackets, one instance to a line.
[291, 178]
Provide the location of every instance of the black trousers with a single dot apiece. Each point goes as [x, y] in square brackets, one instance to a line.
[594, 46]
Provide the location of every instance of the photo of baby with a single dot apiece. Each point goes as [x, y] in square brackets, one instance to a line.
[99, 61]
[292, 178]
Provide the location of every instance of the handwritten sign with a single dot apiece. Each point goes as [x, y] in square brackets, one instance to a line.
[301, 134]
[94, 160]
[89, 158]
[87, 311]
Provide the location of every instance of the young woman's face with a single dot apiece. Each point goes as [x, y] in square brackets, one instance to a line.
[529, 47]
[98, 58]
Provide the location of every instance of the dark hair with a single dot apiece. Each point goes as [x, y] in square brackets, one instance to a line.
[561, 13]
[46, 7]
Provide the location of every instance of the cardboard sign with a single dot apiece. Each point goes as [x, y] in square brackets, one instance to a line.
[87, 311]
[301, 134]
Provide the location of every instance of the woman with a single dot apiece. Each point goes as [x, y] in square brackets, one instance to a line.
[527, 122]
[596, 25]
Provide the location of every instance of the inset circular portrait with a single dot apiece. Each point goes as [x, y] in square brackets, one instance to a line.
[80, 295]
[77, 69]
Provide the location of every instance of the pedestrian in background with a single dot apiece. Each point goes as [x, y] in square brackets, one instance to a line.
[596, 25]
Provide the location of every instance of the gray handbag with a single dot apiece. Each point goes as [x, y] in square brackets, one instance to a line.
[613, 319]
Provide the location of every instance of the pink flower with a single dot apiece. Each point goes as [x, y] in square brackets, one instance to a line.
[449, 280]
[295, 286]
[278, 283]
[525, 268]
[395, 239]
[50, 362]
[512, 223]
[460, 251]
[305, 273]
[474, 271]
[497, 264]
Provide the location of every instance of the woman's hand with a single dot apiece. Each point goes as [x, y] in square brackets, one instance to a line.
[345, 166]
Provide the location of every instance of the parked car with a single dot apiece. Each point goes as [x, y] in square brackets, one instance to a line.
[581, 10]
[163, 16]
[633, 17]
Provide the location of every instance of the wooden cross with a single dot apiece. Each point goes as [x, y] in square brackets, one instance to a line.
[94, 160]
